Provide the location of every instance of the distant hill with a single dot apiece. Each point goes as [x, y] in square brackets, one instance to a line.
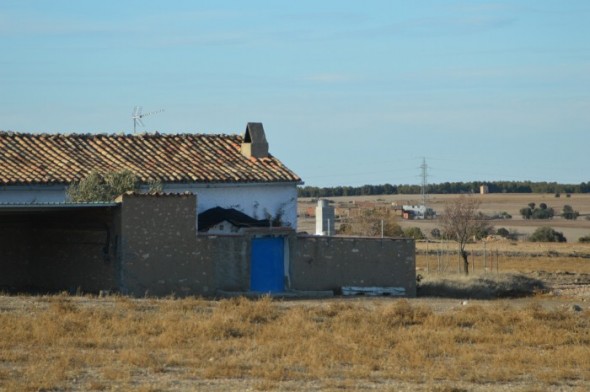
[446, 188]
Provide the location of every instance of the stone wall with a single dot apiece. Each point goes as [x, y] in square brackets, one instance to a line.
[159, 254]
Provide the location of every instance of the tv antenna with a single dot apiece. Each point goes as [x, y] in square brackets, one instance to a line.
[137, 115]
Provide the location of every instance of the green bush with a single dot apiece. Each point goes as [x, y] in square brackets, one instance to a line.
[502, 232]
[547, 234]
[569, 213]
[505, 233]
[585, 239]
[540, 212]
[415, 233]
[543, 213]
[106, 187]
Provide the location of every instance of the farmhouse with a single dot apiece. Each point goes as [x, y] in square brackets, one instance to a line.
[227, 171]
[150, 244]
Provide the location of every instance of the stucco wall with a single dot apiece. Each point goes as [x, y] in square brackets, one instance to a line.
[328, 263]
[230, 257]
[255, 200]
[27, 194]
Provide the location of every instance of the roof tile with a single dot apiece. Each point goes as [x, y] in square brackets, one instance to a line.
[41, 159]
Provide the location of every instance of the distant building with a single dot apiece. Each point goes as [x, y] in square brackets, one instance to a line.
[483, 189]
[417, 212]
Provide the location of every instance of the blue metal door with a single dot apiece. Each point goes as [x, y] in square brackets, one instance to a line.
[267, 268]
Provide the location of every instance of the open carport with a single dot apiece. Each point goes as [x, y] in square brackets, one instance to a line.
[48, 248]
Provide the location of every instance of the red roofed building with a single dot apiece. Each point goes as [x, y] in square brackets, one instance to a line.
[228, 171]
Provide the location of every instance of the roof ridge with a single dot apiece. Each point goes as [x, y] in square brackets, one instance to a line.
[114, 134]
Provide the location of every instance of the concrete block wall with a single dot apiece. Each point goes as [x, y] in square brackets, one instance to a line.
[328, 263]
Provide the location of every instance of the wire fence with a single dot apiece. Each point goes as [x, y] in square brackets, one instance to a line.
[443, 257]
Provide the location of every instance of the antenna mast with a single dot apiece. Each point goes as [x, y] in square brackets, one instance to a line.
[137, 115]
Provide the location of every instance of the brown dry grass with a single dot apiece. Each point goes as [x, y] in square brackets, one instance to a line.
[78, 343]
[520, 257]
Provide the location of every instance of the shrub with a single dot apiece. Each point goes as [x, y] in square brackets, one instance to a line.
[543, 213]
[414, 232]
[102, 187]
[547, 234]
[526, 212]
[503, 232]
[540, 212]
[585, 239]
[435, 233]
[569, 213]
[106, 187]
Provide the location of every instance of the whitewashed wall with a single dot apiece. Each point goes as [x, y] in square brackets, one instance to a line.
[33, 194]
[256, 200]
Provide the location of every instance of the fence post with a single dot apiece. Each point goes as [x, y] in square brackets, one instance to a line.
[484, 257]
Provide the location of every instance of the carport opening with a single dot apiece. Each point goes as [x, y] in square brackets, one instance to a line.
[57, 248]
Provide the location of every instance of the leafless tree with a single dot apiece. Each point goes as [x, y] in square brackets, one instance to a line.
[462, 222]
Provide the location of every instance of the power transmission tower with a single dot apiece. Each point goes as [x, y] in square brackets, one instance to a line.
[424, 168]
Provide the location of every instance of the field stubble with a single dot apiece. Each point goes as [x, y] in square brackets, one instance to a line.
[85, 343]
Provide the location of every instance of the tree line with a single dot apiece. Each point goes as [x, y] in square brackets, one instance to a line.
[446, 188]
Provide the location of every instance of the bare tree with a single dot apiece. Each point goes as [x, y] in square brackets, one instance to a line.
[462, 222]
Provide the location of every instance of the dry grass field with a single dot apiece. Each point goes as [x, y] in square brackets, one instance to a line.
[62, 343]
[519, 322]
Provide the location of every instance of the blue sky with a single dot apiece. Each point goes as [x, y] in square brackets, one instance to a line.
[349, 92]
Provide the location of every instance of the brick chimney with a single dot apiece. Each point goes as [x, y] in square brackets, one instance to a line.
[254, 144]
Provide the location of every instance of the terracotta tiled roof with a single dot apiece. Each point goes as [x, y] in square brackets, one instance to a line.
[62, 159]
